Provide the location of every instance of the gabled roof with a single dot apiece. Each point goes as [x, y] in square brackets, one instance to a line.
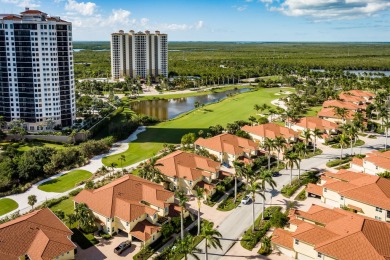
[312, 122]
[348, 97]
[190, 166]
[344, 236]
[33, 12]
[329, 112]
[228, 143]
[125, 197]
[39, 234]
[379, 159]
[361, 93]
[144, 230]
[369, 189]
[341, 104]
[270, 130]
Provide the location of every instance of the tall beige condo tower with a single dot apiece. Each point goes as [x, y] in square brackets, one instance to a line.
[140, 54]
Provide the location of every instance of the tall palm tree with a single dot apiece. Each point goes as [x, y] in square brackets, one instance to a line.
[211, 237]
[343, 141]
[150, 171]
[122, 158]
[292, 159]
[183, 199]
[113, 166]
[199, 195]
[307, 136]
[300, 148]
[280, 145]
[341, 112]
[265, 177]
[187, 246]
[386, 124]
[254, 188]
[84, 215]
[352, 132]
[268, 145]
[237, 172]
[316, 133]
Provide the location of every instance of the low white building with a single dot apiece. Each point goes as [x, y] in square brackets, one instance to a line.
[374, 163]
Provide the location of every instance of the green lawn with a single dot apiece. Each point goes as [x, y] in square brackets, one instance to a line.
[313, 111]
[65, 182]
[67, 206]
[7, 205]
[238, 107]
[28, 145]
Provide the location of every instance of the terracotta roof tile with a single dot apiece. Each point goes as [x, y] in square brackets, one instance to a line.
[357, 161]
[228, 143]
[341, 104]
[270, 130]
[40, 234]
[124, 197]
[314, 189]
[190, 166]
[283, 238]
[348, 97]
[144, 230]
[361, 93]
[313, 122]
[329, 112]
[379, 159]
[348, 236]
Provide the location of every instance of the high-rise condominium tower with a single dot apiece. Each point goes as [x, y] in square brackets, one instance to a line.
[36, 70]
[139, 54]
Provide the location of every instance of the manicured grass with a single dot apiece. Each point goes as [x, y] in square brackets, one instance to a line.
[238, 107]
[28, 145]
[7, 205]
[313, 111]
[358, 143]
[67, 206]
[65, 182]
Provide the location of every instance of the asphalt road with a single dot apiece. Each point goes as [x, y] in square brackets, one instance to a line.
[233, 227]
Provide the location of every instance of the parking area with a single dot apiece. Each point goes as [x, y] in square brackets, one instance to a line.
[105, 249]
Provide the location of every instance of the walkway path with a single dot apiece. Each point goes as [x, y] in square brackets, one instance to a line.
[94, 164]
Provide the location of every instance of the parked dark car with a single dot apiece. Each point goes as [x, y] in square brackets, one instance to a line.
[122, 247]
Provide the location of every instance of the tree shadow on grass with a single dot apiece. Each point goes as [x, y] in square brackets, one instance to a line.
[53, 181]
[166, 135]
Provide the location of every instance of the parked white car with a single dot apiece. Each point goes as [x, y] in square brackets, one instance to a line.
[246, 200]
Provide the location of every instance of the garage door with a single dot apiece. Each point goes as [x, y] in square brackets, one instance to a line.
[286, 252]
[332, 203]
[304, 257]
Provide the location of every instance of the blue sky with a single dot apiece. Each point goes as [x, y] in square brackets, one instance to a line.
[227, 20]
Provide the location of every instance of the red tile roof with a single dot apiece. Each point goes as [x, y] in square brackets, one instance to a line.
[379, 159]
[341, 104]
[365, 188]
[144, 230]
[33, 12]
[228, 143]
[314, 189]
[330, 113]
[283, 238]
[39, 234]
[124, 197]
[270, 130]
[361, 93]
[190, 166]
[348, 97]
[313, 122]
[344, 236]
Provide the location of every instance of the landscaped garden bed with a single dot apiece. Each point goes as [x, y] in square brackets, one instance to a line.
[338, 162]
[308, 177]
[301, 196]
[228, 203]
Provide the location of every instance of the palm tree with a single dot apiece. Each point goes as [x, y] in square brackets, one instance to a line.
[343, 141]
[32, 199]
[199, 195]
[70, 219]
[257, 107]
[292, 159]
[316, 133]
[268, 145]
[386, 124]
[183, 199]
[150, 171]
[307, 136]
[351, 131]
[113, 166]
[187, 246]
[300, 148]
[211, 237]
[252, 119]
[84, 215]
[122, 159]
[254, 188]
[280, 144]
[341, 112]
[265, 177]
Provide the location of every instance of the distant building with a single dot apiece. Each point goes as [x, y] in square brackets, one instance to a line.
[36, 70]
[375, 162]
[271, 131]
[139, 54]
[37, 235]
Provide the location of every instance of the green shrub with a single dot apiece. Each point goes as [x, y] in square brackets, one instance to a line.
[106, 236]
[75, 192]
[337, 162]
[53, 202]
[301, 196]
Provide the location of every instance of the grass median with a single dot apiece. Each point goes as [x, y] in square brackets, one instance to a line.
[7, 205]
[238, 107]
[65, 182]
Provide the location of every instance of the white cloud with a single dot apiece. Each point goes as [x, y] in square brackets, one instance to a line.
[22, 3]
[241, 8]
[199, 25]
[331, 9]
[83, 8]
[266, 1]
[248, 1]
[144, 21]
[180, 27]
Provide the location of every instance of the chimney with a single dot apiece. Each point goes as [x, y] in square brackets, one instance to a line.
[147, 32]
[157, 32]
[26, 9]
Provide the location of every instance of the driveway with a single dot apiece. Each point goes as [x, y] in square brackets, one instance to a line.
[105, 249]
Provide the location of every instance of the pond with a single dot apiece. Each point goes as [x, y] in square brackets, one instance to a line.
[164, 109]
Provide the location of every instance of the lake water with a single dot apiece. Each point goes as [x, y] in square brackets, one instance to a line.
[166, 109]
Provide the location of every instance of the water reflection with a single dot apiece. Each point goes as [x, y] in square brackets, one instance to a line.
[167, 109]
